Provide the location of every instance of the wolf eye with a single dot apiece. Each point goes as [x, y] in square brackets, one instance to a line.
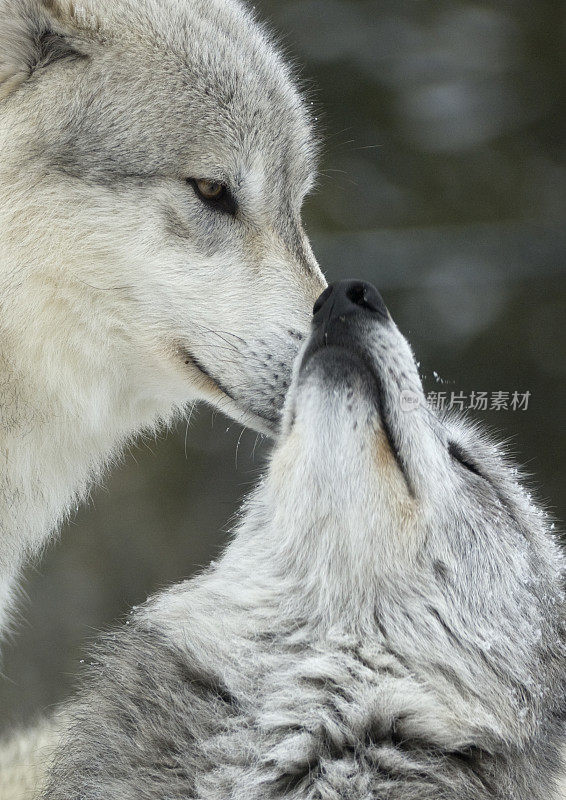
[210, 190]
[215, 194]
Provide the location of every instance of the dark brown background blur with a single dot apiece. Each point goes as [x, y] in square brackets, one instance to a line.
[443, 182]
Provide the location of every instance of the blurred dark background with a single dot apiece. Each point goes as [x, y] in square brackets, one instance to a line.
[443, 181]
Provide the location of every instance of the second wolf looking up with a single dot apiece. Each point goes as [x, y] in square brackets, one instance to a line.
[387, 623]
[155, 155]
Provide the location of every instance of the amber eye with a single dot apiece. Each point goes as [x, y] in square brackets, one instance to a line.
[210, 190]
[215, 194]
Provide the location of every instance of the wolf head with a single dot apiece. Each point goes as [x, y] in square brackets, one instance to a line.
[410, 530]
[400, 499]
[356, 408]
[155, 158]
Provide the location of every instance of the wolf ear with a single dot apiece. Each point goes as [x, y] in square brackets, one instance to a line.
[33, 35]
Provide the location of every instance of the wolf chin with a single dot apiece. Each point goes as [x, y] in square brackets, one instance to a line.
[388, 621]
[155, 156]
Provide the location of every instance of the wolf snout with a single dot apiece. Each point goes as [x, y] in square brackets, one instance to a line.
[343, 298]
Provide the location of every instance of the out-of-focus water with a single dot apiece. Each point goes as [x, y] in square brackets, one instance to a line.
[443, 181]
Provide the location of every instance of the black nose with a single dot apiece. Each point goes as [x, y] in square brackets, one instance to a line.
[348, 297]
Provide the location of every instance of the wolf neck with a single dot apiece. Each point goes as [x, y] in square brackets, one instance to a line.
[67, 403]
[317, 567]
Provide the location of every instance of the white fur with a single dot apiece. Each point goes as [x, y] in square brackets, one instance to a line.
[24, 761]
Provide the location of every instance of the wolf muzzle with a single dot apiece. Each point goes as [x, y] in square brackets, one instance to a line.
[341, 313]
[347, 297]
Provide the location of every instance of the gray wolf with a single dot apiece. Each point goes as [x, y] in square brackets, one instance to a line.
[388, 621]
[155, 156]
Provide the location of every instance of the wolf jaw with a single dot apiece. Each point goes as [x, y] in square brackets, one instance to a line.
[372, 630]
[123, 295]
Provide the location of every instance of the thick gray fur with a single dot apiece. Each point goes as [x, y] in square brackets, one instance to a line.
[387, 624]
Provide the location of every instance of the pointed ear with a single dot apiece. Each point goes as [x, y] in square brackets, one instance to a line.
[33, 35]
